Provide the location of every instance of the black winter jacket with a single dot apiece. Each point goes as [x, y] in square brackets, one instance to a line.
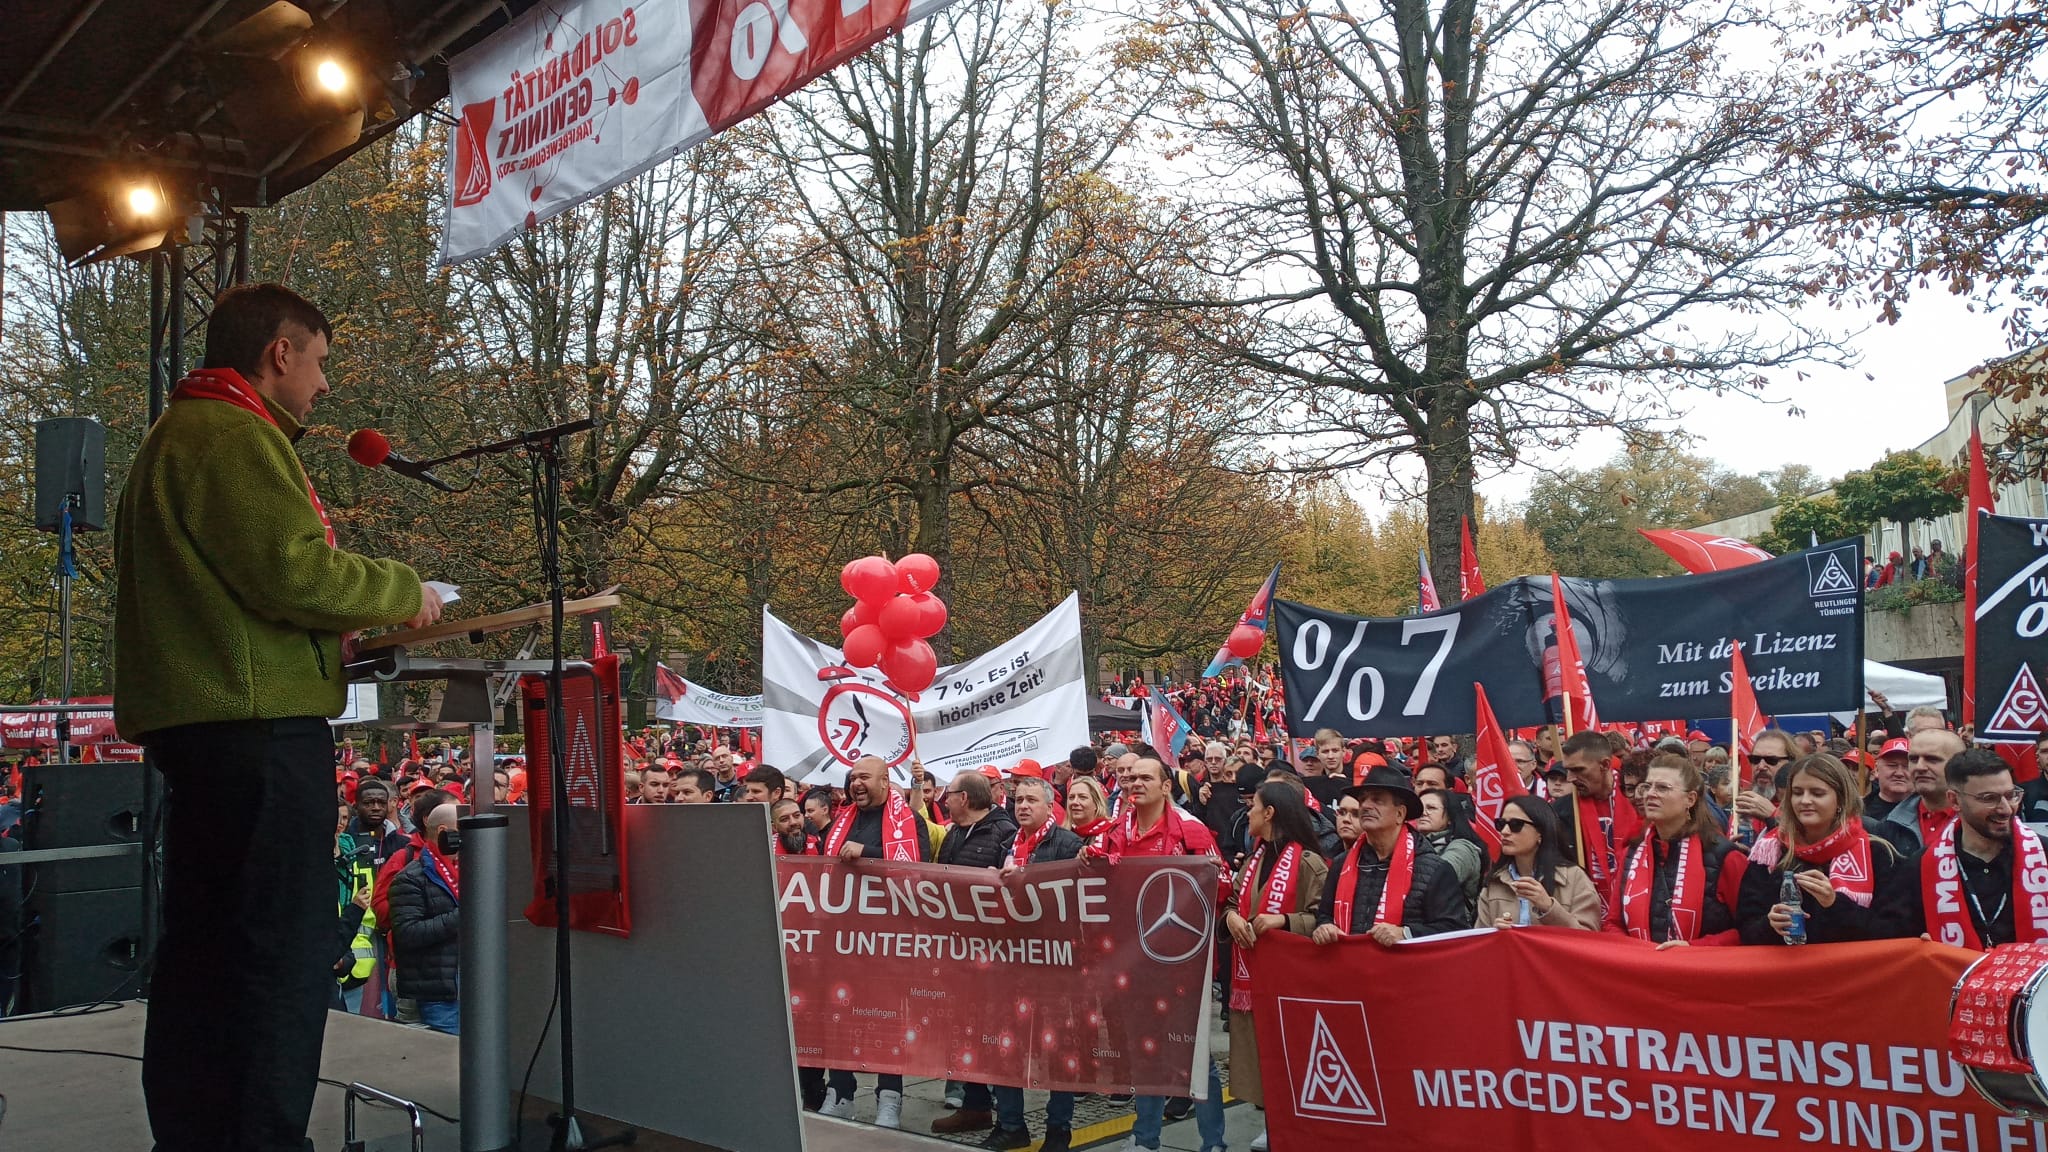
[867, 832]
[1894, 882]
[982, 844]
[426, 934]
[1435, 903]
[1058, 844]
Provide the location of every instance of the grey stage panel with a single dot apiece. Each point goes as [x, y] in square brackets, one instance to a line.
[684, 1027]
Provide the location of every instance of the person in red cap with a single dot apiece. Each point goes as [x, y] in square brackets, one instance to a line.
[1891, 780]
[1696, 745]
[994, 776]
[1928, 811]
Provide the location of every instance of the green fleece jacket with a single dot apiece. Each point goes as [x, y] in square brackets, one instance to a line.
[229, 603]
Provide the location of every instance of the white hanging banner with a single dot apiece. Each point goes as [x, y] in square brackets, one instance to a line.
[1024, 698]
[575, 98]
[687, 702]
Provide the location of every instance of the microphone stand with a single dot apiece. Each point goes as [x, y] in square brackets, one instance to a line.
[544, 458]
[543, 439]
[543, 452]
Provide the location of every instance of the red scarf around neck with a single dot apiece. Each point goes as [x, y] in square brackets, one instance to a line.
[1845, 853]
[1946, 899]
[1688, 891]
[1027, 842]
[226, 385]
[446, 869]
[899, 828]
[1597, 842]
[1393, 895]
[1279, 901]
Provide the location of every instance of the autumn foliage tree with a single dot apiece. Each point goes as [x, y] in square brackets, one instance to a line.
[1472, 232]
[1903, 488]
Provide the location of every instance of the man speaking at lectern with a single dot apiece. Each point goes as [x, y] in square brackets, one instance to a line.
[230, 612]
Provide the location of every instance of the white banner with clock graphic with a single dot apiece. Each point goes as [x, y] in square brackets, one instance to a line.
[1025, 699]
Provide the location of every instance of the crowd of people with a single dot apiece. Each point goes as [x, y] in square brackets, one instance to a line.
[1917, 833]
[1616, 832]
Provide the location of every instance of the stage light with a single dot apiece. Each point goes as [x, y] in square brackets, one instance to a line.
[144, 201]
[331, 76]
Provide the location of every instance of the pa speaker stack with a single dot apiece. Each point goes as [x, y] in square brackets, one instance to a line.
[81, 919]
[71, 466]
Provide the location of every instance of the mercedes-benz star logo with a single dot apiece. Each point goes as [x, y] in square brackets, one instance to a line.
[1173, 916]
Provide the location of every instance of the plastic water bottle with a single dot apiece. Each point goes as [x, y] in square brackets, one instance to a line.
[1522, 905]
[1788, 893]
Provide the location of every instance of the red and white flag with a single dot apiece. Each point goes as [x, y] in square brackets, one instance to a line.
[1425, 583]
[1470, 583]
[1748, 725]
[1494, 775]
[1698, 552]
[1570, 674]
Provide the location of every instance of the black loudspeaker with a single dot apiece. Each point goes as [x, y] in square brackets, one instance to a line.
[71, 461]
[78, 806]
[80, 947]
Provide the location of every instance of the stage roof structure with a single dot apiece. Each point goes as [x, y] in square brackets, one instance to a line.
[124, 118]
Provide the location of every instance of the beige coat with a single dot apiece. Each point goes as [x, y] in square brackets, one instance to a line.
[1575, 903]
[1244, 1052]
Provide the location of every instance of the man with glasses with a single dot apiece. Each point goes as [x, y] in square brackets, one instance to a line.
[1924, 814]
[1150, 825]
[981, 836]
[1526, 764]
[1984, 879]
[1772, 749]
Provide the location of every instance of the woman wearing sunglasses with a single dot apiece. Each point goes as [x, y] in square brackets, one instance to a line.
[1534, 884]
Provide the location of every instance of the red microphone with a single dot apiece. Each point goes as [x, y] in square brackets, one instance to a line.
[372, 449]
[369, 447]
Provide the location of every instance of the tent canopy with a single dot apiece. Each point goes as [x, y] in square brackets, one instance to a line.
[1106, 717]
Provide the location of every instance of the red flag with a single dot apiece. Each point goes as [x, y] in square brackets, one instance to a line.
[1569, 677]
[1982, 503]
[1470, 583]
[1426, 583]
[1259, 723]
[1494, 775]
[1703, 551]
[668, 687]
[1749, 720]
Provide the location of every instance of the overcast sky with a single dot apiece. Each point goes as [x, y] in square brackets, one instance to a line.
[1848, 421]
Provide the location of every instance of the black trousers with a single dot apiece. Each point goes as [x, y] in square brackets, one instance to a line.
[245, 966]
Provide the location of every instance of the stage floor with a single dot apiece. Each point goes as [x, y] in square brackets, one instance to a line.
[80, 1090]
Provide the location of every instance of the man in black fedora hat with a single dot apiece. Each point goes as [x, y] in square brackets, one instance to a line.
[1390, 885]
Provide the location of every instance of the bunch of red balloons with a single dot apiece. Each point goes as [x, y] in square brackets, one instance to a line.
[893, 613]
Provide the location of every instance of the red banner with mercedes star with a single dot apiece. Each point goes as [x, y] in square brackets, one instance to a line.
[1080, 975]
[1581, 1040]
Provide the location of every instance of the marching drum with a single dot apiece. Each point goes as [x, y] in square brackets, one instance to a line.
[1998, 1028]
